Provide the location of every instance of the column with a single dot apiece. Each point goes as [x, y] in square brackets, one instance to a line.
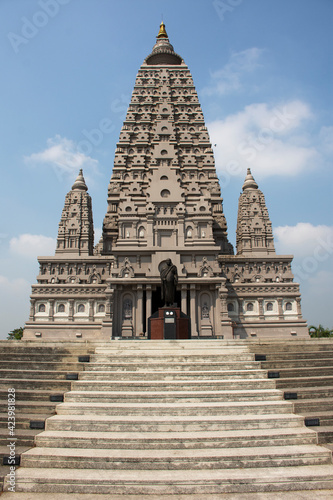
[280, 310]
[91, 310]
[261, 309]
[71, 310]
[139, 304]
[32, 310]
[51, 310]
[217, 313]
[226, 322]
[194, 332]
[148, 305]
[298, 306]
[184, 299]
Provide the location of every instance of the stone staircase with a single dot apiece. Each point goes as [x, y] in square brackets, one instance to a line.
[173, 418]
[305, 374]
[40, 375]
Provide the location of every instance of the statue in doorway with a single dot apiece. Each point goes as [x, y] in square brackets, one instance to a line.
[169, 280]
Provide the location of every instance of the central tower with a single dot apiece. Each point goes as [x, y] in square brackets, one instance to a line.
[164, 193]
[164, 198]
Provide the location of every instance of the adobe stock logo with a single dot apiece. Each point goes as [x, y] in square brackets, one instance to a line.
[31, 27]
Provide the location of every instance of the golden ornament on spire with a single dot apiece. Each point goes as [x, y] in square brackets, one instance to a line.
[162, 33]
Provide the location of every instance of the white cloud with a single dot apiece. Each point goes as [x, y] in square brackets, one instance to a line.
[229, 78]
[32, 245]
[64, 156]
[271, 140]
[304, 240]
[312, 266]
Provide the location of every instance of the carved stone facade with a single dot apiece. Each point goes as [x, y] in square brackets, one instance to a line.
[164, 201]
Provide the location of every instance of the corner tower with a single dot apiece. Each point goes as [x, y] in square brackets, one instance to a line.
[76, 229]
[254, 233]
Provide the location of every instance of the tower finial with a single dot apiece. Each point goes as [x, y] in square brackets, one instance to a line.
[80, 183]
[162, 33]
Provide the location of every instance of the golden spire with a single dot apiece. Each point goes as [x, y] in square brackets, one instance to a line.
[162, 33]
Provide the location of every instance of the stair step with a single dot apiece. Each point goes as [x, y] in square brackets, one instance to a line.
[297, 363]
[28, 395]
[306, 381]
[173, 375]
[171, 366]
[170, 439]
[312, 405]
[40, 366]
[174, 385]
[209, 458]
[163, 409]
[137, 423]
[36, 384]
[127, 482]
[170, 397]
[33, 374]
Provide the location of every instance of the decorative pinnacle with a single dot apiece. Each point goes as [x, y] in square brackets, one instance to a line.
[80, 183]
[162, 33]
[249, 182]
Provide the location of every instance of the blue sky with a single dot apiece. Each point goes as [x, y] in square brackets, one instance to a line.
[263, 72]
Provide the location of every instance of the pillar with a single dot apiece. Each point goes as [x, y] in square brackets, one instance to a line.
[91, 310]
[184, 299]
[280, 310]
[194, 332]
[71, 310]
[32, 310]
[261, 309]
[148, 304]
[51, 310]
[298, 306]
[139, 304]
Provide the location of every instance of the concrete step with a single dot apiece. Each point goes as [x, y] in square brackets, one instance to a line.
[304, 381]
[153, 358]
[30, 395]
[167, 482]
[164, 409]
[35, 374]
[22, 420]
[148, 374]
[306, 371]
[40, 366]
[172, 385]
[45, 357]
[24, 437]
[171, 366]
[298, 356]
[31, 406]
[208, 458]
[297, 363]
[36, 384]
[308, 393]
[130, 396]
[176, 439]
[138, 423]
[5, 452]
[313, 405]
[324, 432]
[325, 417]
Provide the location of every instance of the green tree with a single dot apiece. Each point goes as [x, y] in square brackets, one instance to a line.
[320, 331]
[15, 334]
